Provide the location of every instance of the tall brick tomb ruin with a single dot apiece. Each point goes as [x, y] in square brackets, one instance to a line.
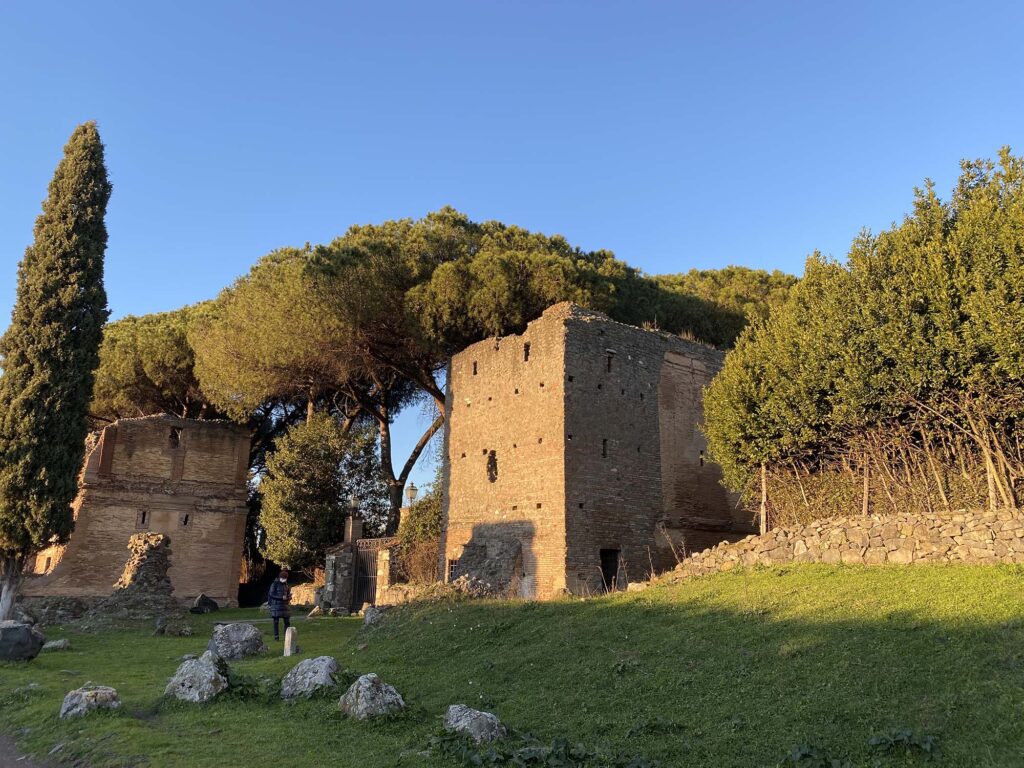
[182, 478]
[574, 451]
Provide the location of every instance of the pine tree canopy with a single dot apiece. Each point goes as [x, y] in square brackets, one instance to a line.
[50, 351]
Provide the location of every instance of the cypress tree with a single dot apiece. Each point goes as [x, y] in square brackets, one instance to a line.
[49, 354]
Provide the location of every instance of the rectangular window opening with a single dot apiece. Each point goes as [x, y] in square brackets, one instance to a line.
[702, 458]
[609, 365]
[604, 448]
[47, 566]
[526, 352]
[175, 437]
[474, 367]
[453, 567]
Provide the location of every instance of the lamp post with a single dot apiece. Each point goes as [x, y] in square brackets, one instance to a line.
[410, 493]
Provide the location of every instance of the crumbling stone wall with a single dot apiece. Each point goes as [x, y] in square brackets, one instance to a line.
[577, 436]
[159, 474]
[144, 589]
[956, 537]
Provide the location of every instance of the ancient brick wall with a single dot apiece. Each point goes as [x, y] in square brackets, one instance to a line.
[179, 477]
[589, 441]
[504, 451]
[637, 477]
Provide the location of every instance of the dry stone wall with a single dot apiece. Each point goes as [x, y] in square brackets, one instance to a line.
[960, 537]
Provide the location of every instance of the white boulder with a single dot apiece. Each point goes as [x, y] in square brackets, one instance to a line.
[89, 697]
[309, 676]
[369, 696]
[480, 726]
[236, 641]
[199, 680]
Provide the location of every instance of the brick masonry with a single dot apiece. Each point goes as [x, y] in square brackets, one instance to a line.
[954, 537]
[161, 474]
[581, 435]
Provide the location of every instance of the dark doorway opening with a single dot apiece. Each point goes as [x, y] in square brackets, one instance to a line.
[610, 569]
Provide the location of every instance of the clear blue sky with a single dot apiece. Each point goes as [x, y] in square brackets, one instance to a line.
[676, 134]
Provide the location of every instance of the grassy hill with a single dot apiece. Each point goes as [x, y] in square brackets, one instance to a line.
[802, 665]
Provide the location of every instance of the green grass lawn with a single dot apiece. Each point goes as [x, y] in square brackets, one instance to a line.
[731, 670]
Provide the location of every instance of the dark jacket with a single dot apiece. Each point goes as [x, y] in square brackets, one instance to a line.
[278, 597]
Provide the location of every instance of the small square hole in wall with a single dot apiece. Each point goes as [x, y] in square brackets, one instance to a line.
[599, 386]
[581, 505]
[542, 383]
[540, 440]
[517, 390]
[572, 379]
[515, 507]
[463, 454]
[142, 519]
[641, 397]
[538, 505]
[185, 519]
[488, 399]
[568, 437]
[484, 452]
[514, 445]
[621, 393]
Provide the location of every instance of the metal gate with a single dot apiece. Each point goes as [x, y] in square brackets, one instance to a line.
[365, 588]
[366, 578]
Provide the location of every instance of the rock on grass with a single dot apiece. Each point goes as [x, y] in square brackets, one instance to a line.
[369, 696]
[88, 698]
[199, 680]
[480, 726]
[309, 676]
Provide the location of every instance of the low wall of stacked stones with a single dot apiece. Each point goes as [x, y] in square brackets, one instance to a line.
[960, 537]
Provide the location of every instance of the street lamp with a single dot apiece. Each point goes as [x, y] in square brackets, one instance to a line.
[410, 493]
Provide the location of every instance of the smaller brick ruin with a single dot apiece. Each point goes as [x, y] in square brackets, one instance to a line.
[182, 478]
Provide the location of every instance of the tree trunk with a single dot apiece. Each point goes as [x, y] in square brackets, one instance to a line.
[395, 513]
[10, 581]
[764, 499]
[866, 503]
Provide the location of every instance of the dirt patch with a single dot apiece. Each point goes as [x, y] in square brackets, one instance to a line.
[10, 757]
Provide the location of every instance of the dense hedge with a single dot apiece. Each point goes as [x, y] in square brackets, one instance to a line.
[897, 374]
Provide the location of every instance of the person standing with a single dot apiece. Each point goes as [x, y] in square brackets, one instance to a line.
[279, 596]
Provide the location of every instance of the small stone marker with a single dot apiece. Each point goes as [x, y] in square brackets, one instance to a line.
[291, 641]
